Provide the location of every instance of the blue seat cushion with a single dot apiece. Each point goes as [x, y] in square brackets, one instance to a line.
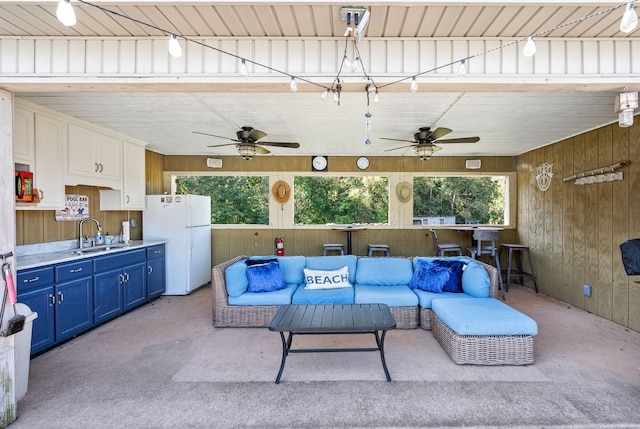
[330, 263]
[343, 295]
[393, 296]
[483, 316]
[426, 298]
[384, 271]
[278, 297]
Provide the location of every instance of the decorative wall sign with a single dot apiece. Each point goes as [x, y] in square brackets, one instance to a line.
[76, 207]
[544, 176]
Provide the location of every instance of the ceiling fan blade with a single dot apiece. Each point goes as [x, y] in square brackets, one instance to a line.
[256, 135]
[460, 140]
[435, 148]
[291, 145]
[440, 132]
[213, 135]
[226, 144]
[401, 147]
[397, 140]
[261, 150]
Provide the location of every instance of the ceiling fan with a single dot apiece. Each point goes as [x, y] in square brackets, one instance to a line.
[247, 142]
[425, 139]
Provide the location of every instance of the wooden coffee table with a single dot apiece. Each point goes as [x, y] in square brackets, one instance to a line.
[302, 319]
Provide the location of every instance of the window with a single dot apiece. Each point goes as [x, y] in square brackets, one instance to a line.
[341, 200]
[447, 200]
[234, 199]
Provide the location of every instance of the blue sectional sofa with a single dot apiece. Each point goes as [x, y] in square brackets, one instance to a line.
[242, 299]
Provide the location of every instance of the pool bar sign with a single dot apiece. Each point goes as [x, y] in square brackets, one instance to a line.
[544, 176]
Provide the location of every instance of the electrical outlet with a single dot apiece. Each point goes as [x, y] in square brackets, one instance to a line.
[586, 290]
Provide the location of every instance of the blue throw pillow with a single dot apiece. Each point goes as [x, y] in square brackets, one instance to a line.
[454, 284]
[258, 261]
[429, 277]
[265, 277]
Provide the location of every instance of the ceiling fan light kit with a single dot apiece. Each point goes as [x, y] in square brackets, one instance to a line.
[425, 139]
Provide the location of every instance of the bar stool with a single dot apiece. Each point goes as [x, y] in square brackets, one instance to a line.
[519, 248]
[384, 248]
[442, 249]
[488, 249]
[333, 246]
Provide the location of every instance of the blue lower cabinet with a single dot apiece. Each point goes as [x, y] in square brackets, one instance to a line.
[107, 295]
[135, 288]
[73, 307]
[43, 330]
[75, 296]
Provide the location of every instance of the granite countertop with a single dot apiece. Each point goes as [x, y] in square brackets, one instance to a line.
[39, 255]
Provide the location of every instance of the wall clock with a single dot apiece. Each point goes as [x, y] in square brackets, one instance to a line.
[362, 163]
[319, 163]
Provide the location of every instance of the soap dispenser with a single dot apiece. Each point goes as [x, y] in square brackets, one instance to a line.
[99, 238]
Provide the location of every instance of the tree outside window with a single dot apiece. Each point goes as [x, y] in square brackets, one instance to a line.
[459, 200]
[341, 200]
[234, 199]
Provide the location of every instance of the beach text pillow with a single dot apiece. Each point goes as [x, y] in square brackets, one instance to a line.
[317, 279]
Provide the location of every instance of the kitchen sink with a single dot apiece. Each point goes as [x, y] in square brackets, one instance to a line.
[95, 249]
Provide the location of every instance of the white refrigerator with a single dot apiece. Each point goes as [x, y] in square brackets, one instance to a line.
[184, 221]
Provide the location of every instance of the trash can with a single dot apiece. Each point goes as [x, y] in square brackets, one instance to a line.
[23, 350]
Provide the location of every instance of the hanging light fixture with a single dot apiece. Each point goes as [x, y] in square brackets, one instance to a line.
[324, 94]
[367, 122]
[293, 85]
[424, 152]
[376, 99]
[462, 71]
[174, 47]
[625, 104]
[629, 20]
[246, 150]
[65, 13]
[529, 48]
[414, 85]
[244, 71]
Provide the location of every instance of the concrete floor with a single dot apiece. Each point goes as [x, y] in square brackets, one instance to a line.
[165, 366]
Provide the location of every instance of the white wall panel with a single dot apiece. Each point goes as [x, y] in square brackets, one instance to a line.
[93, 56]
[9, 55]
[77, 57]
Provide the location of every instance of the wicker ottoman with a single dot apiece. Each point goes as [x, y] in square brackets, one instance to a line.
[483, 331]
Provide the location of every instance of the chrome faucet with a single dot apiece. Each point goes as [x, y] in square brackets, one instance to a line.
[83, 221]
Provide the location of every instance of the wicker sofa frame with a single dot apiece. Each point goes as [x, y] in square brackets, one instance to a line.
[242, 316]
[426, 314]
[483, 349]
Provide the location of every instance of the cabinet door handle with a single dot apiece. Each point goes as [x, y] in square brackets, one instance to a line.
[60, 297]
[53, 300]
[149, 269]
[96, 168]
[77, 270]
[126, 277]
[128, 199]
[156, 252]
[101, 168]
[41, 192]
[31, 280]
[121, 278]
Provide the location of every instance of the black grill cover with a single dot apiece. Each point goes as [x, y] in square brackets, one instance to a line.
[630, 250]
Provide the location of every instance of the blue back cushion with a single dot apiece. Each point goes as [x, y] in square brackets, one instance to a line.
[384, 271]
[475, 280]
[236, 279]
[330, 263]
[292, 268]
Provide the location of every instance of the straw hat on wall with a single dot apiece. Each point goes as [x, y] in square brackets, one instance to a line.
[404, 191]
[281, 191]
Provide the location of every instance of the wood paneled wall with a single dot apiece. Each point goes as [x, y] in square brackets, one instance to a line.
[40, 226]
[574, 231]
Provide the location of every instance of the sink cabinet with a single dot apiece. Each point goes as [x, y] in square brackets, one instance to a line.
[62, 297]
[72, 297]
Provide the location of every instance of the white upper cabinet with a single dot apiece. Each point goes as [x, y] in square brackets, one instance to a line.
[132, 196]
[23, 137]
[94, 157]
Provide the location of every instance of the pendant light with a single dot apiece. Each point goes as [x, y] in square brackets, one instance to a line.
[414, 85]
[529, 48]
[629, 20]
[462, 71]
[174, 47]
[65, 13]
[293, 85]
[244, 71]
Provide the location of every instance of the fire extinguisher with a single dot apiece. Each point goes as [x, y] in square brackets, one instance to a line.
[280, 245]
